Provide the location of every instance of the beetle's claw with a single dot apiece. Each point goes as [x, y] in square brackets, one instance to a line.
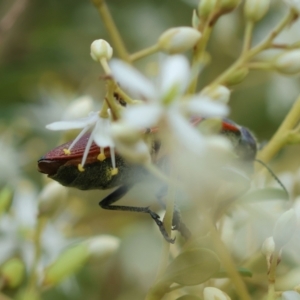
[161, 226]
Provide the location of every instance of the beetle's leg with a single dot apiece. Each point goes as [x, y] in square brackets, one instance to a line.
[116, 195]
[177, 223]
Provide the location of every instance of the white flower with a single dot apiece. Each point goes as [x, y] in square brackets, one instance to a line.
[100, 134]
[162, 104]
[294, 4]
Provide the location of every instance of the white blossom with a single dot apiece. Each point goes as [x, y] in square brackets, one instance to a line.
[164, 103]
[100, 134]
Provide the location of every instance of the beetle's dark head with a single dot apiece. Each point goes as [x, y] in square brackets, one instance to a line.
[242, 139]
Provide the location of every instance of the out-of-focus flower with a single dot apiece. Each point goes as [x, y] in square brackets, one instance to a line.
[220, 93]
[206, 7]
[101, 49]
[12, 272]
[212, 293]
[268, 247]
[73, 258]
[163, 105]
[229, 5]
[288, 62]
[178, 40]
[293, 4]
[284, 228]
[256, 9]
[290, 295]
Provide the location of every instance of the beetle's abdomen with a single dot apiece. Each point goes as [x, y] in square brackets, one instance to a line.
[96, 175]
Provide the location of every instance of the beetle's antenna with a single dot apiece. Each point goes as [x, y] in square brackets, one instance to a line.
[273, 175]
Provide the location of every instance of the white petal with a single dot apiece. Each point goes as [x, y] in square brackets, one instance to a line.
[175, 73]
[132, 80]
[74, 124]
[102, 134]
[206, 108]
[187, 134]
[290, 295]
[142, 116]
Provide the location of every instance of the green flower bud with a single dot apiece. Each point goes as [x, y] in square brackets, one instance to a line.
[67, 264]
[101, 49]
[178, 39]
[73, 258]
[212, 293]
[256, 9]
[237, 77]
[206, 7]
[195, 20]
[284, 228]
[12, 272]
[6, 195]
[288, 63]
[229, 5]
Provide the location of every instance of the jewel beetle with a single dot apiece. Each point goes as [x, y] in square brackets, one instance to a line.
[97, 175]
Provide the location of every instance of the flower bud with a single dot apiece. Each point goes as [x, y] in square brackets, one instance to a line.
[78, 108]
[195, 20]
[6, 195]
[67, 264]
[12, 272]
[103, 245]
[237, 77]
[178, 39]
[205, 8]
[212, 293]
[51, 197]
[284, 228]
[229, 5]
[293, 4]
[101, 49]
[73, 259]
[256, 9]
[268, 247]
[288, 63]
[220, 93]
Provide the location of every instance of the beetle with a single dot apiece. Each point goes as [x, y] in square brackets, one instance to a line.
[97, 175]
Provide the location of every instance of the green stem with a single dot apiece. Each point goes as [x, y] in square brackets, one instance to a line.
[228, 264]
[145, 52]
[246, 56]
[199, 50]
[279, 139]
[248, 36]
[111, 27]
[272, 276]
[261, 65]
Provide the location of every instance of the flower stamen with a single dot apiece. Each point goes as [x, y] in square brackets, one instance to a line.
[114, 170]
[101, 155]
